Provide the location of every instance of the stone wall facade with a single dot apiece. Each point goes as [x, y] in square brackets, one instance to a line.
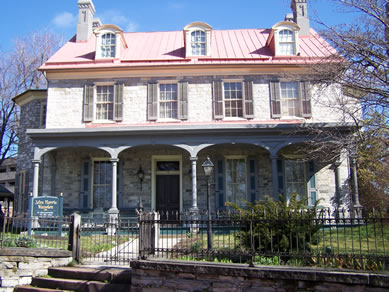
[19, 265]
[191, 276]
[65, 101]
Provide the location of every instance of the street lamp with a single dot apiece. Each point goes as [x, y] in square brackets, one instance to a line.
[208, 171]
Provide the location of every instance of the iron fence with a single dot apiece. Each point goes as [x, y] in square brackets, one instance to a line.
[35, 232]
[340, 238]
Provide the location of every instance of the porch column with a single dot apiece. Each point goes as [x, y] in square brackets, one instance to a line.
[353, 162]
[114, 211]
[36, 163]
[337, 182]
[194, 208]
[274, 171]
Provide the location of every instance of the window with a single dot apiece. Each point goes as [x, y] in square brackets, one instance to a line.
[104, 102]
[236, 182]
[290, 102]
[233, 99]
[286, 42]
[290, 99]
[102, 187]
[43, 114]
[108, 45]
[168, 101]
[198, 43]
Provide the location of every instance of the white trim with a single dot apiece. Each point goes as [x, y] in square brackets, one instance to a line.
[154, 160]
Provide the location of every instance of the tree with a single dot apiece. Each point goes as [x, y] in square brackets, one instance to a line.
[361, 68]
[19, 72]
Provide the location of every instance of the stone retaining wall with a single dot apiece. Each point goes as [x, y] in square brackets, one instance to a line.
[189, 276]
[19, 265]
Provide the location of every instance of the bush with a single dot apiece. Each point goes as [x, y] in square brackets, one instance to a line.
[278, 227]
[21, 241]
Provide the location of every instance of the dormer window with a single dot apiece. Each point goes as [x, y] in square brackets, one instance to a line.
[197, 39]
[198, 43]
[109, 40]
[286, 42]
[283, 39]
[108, 45]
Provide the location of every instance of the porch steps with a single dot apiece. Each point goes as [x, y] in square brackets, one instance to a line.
[82, 279]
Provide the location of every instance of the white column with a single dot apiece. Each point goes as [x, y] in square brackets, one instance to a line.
[114, 209]
[194, 185]
[35, 185]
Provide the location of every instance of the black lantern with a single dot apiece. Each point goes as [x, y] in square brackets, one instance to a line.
[141, 175]
[208, 167]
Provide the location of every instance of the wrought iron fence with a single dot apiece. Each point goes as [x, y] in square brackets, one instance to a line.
[340, 238]
[108, 241]
[36, 232]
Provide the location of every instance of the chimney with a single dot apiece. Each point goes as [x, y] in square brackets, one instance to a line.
[300, 15]
[86, 10]
[289, 17]
[96, 23]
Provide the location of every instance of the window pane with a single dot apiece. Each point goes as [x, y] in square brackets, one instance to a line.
[108, 43]
[104, 102]
[168, 101]
[294, 178]
[233, 99]
[198, 43]
[102, 189]
[236, 181]
[290, 101]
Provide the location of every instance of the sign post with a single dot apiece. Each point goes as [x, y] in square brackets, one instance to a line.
[60, 215]
[29, 225]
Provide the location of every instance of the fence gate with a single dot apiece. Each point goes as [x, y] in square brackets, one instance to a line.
[105, 241]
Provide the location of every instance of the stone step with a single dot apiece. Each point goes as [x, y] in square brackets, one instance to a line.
[113, 275]
[78, 285]
[29, 288]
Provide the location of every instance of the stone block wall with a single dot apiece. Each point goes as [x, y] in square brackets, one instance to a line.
[19, 265]
[195, 276]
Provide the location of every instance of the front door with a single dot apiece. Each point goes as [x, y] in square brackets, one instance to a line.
[168, 193]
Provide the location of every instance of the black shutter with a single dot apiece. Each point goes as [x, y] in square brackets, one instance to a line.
[85, 184]
[275, 96]
[118, 102]
[305, 99]
[182, 100]
[252, 179]
[88, 103]
[218, 99]
[248, 100]
[152, 101]
[220, 188]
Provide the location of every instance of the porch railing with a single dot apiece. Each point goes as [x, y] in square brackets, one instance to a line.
[338, 238]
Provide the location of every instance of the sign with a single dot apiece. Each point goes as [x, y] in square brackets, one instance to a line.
[45, 206]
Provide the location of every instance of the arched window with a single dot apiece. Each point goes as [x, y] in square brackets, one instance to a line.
[108, 45]
[198, 42]
[286, 42]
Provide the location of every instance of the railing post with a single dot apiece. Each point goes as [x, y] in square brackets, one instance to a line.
[60, 214]
[75, 236]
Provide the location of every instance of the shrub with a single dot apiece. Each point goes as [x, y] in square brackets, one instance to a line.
[278, 227]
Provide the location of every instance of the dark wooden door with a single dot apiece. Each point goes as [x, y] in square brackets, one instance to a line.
[168, 193]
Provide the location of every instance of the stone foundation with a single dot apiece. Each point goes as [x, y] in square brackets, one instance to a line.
[190, 276]
[19, 265]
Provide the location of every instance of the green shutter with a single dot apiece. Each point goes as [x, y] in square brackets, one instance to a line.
[275, 96]
[88, 103]
[218, 99]
[220, 186]
[305, 99]
[152, 101]
[252, 179]
[248, 100]
[118, 102]
[182, 100]
[85, 184]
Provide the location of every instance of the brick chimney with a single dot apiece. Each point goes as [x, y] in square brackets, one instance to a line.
[300, 15]
[86, 10]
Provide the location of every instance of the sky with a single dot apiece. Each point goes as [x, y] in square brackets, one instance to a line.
[60, 16]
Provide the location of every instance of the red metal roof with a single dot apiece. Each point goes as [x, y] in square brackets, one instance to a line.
[240, 46]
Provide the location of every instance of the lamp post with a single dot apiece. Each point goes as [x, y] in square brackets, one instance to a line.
[208, 171]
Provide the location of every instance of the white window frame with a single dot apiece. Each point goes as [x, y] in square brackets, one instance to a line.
[236, 157]
[167, 82]
[188, 38]
[195, 50]
[111, 46]
[290, 43]
[286, 99]
[99, 41]
[286, 25]
[98, 84]
[224, 99]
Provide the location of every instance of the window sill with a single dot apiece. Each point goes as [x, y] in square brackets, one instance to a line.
[103, 122]
[234, 119]
[168, 121]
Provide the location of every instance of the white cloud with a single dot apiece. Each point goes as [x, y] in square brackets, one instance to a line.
[116, 17]
[65, 19]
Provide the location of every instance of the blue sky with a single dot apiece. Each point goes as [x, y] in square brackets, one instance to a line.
[60, 16]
